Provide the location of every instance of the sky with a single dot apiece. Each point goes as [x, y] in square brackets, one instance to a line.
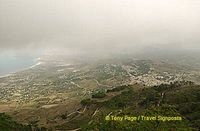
[98, 26]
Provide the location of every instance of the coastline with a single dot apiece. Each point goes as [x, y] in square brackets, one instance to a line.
[36, 63]
[7, 75]
[39, 63]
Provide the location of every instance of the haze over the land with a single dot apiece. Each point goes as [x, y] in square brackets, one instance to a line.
[99, 26]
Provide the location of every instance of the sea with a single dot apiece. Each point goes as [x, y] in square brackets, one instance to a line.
[12, 62]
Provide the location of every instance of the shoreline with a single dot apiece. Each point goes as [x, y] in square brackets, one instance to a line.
[7, 75]
[36, 63]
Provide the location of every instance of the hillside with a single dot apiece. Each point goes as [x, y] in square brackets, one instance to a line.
[129, 107]
[7, 124]
[72, 94]
[179, 100]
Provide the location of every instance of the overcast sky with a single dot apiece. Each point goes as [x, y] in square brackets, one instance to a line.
[99, 25]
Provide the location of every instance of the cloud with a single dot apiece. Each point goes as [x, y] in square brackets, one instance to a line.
[99, 25]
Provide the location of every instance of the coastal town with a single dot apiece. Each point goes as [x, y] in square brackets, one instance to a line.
[72, 81]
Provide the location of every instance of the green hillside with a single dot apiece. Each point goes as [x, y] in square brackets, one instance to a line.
[7, 124]
[174, 107]
[171, 107]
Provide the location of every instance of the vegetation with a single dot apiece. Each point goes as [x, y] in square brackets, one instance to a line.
[7, 124]
[143, 67]
[99, 93]
[177, 99]
[87, 101]
[121, 101]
